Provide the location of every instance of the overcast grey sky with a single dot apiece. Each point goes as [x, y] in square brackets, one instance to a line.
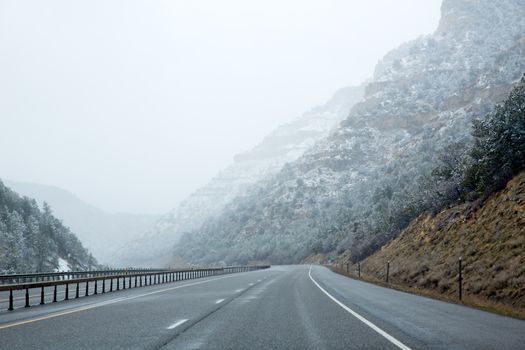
[132, 105]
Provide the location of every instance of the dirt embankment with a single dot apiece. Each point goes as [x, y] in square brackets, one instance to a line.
[489, 236]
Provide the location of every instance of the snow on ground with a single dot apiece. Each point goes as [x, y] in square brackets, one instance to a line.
[63, 266]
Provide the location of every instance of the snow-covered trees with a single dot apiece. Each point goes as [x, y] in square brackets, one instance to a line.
[32, 240]
[361, 185]
[499, 149]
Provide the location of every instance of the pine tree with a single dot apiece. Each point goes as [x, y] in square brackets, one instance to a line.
[499, 147]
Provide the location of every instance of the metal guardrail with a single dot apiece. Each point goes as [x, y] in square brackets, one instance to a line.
[53, 276]
[134, 279]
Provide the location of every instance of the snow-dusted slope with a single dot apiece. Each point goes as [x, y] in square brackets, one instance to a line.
[99, 231]
[354, 189]
[283, 145]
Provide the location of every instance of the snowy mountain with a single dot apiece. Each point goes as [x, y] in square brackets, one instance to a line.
[34, 240]
[101, 232]
[359, 186]
[285, 144]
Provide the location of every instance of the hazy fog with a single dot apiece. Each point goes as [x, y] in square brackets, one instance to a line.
[133, 105]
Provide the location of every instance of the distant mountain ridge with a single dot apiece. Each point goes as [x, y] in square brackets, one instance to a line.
[358, 187]
[283, 145]
[101, 232]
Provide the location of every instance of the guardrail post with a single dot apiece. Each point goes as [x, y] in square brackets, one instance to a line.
[104, 286]
[150, 280]
[359, 269]
[111, 285]
[55, 294]
[135, 281]
[27, 297]
[66, 297]
[387, 270]
[460, 280]
[76, 292]
[124, 283]
[42, 296]
[118, 283]
[10, 308]
[87, 288]
[96, 287]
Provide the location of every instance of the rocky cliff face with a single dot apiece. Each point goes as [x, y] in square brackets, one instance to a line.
[285, 144]
[355, 189]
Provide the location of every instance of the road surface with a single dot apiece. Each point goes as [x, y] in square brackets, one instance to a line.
[285, 307]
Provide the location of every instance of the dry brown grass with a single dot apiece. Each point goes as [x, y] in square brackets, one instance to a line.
[468, 300]
[487, 234]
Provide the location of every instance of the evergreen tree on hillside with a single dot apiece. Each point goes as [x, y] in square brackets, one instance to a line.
[499, 147]
[496, 155]
[32, 240]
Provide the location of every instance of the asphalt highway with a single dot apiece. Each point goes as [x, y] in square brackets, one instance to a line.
[285, 307]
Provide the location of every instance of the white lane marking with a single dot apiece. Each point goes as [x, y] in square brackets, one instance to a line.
[178, 323]
[258, 280]
[238, 290]
[218, 301]
[251, 284]
[108, 302]
[359, 317]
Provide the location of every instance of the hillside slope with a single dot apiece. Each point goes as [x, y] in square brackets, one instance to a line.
[101, 232]
[32, 240]
[489, 236]
[359, 187]
[285, 144]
